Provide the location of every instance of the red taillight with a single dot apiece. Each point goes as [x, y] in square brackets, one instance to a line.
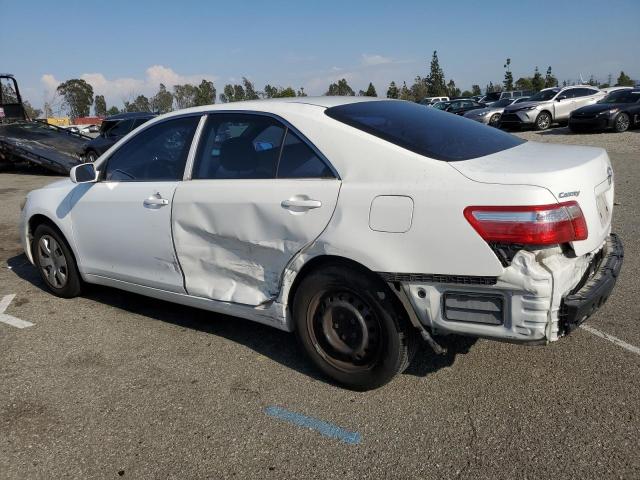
[529, 225]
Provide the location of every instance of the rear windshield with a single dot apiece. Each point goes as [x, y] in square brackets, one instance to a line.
[427, 131]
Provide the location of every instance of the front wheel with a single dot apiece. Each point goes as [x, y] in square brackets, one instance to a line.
[55, 262]
[494, 120]
[351, 328]
[621, 123]
[543, 121]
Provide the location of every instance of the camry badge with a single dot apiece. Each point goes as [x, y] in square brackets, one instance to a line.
[569, 194]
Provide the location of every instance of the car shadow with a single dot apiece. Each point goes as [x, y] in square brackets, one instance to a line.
[277, 345]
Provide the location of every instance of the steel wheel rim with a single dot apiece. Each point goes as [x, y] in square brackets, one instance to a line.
[52, 262]
[345, 330]
[495, 118]
[623, 122]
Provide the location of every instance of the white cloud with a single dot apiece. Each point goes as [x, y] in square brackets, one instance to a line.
[371, 60]
[124, 88]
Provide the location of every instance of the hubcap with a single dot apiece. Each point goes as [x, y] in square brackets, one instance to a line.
[345, 330]
[52, 261]
[494, 119]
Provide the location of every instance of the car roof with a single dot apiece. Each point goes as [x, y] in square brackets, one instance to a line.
[128, 115]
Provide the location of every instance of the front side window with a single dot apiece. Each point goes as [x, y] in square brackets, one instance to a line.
[622, 96]
[238, 146]
[425, 131]
[544, 95]
[158, 153]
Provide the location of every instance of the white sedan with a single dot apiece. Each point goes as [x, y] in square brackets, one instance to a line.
[360, 224]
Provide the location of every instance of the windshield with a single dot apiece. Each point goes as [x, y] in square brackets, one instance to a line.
[544, 95]
[622, 96]
[425, 131]
[502, 103]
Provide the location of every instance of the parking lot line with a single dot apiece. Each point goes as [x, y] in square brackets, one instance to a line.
[325, 428]
[8, 319]
[612, 339]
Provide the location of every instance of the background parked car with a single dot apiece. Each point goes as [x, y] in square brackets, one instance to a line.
[620, 110]
[432, 100]
[491, 97]
[491, 115]
[459, 107]
[549, 106]
[113, 129]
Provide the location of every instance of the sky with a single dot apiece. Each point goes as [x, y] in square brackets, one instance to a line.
[126, 48]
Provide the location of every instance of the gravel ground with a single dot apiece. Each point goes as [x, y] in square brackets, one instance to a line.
[115, 385]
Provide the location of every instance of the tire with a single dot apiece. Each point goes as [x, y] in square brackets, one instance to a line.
[352, 328]
[543, 121]
[55, 262]
[494, 120]
[621, 123]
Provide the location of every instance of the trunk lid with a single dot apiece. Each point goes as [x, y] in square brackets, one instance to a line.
[582, 174]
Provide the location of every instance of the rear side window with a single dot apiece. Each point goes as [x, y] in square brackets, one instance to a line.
[426, 131]
[298, 160]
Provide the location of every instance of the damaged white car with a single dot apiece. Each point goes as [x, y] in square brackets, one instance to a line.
[360, 224]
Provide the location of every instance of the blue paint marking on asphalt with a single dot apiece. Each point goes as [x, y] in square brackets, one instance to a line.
[325, 428]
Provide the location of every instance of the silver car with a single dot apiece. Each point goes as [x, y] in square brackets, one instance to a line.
[548, 106]
[491, 114]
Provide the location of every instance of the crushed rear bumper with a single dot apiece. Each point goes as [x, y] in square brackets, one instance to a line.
[595, 287]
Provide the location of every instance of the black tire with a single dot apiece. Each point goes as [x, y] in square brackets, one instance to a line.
[55, 262]
[621, 123]
[543, 121]
[352, 328]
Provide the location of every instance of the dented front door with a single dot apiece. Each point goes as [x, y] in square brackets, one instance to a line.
[234, 237]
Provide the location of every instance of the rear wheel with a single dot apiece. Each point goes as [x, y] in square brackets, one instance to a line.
[543, 121]
[621, 123]
[55, 262]
[351, 328]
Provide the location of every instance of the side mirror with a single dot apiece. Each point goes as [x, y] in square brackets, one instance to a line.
[83, 173]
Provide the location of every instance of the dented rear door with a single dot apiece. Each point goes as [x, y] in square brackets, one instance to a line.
[234, 237]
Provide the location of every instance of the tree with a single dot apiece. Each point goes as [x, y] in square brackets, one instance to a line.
[592, 81]
[405, 93]
[475, 90]
[113, 111]
[162, 102]
[508, 76]
[300, 92]
[537, 82]
[279, 92]
[78, 97]
[140, 104]
[30, 111]
[624, 80]
[549, 79]
[392, 91]
[492, 88]
[371, 91]
[341, 88]
[232, 93]
[100, 106]
[205, 93]
[467, 93]
[184, 96]
[249, 90]
[452, 90]
[48, 111]
[524, 83]
[419, 89]
[435, 82]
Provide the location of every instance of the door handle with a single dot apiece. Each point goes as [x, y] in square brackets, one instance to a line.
[300, 205]
[155, 201]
